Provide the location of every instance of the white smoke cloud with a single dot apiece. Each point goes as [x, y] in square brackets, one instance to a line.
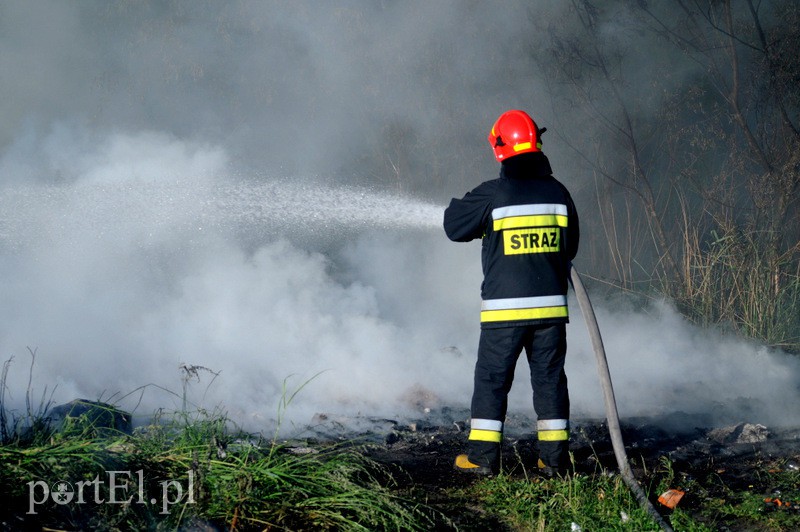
[122, 272]
[663, 366]
[136, 264]
[131, 241]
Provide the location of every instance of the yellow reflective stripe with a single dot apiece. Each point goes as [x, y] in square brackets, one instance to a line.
[539, 220]
[524, 314]
[485, 435]
[553, 435]
[522, 146]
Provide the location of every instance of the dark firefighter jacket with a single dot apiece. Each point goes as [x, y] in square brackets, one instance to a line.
[530, 233]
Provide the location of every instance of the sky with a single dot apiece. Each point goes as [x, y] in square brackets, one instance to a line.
[224, 202]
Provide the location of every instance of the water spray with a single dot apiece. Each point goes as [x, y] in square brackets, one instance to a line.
[610, 403]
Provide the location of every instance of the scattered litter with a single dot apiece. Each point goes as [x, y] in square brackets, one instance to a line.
[671, 498]
[771, 503]
[240, 445]
[792, 465]
[753, 433]
[421, 399]
[221, 446]
[301, 450]
[624, 516]
[741, 433]
[575, 527]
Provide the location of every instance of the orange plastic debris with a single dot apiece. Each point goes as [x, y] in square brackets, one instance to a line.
[671, 498]
[783, 505]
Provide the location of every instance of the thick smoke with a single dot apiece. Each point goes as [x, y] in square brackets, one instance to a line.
[177, 213]
[128, 271]
[354, 88]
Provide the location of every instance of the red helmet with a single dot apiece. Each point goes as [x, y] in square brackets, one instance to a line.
[514, 132]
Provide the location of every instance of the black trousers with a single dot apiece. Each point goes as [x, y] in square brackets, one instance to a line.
[545, 347]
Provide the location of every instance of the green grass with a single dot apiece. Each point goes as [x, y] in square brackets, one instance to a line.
[236, 481]
[602, 501]
[187, 469]
[592, 502]
[197, 468]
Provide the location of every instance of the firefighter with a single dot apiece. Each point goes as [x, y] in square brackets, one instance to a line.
[529, 230]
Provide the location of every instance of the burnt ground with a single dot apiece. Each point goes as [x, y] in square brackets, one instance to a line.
[736, 463]
[717, 461]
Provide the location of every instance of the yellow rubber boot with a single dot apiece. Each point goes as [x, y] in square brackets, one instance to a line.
[463, 464]
[550, 472]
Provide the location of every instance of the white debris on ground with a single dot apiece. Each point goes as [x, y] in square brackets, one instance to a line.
[741, 433]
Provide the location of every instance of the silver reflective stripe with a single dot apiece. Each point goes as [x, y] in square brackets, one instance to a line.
[552, 424]
[529, 210]
[524, 302]
[486, 424]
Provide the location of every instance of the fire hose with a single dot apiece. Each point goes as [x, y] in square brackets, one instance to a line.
[610, 402]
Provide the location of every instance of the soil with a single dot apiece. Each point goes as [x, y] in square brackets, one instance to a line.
[420, 455]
